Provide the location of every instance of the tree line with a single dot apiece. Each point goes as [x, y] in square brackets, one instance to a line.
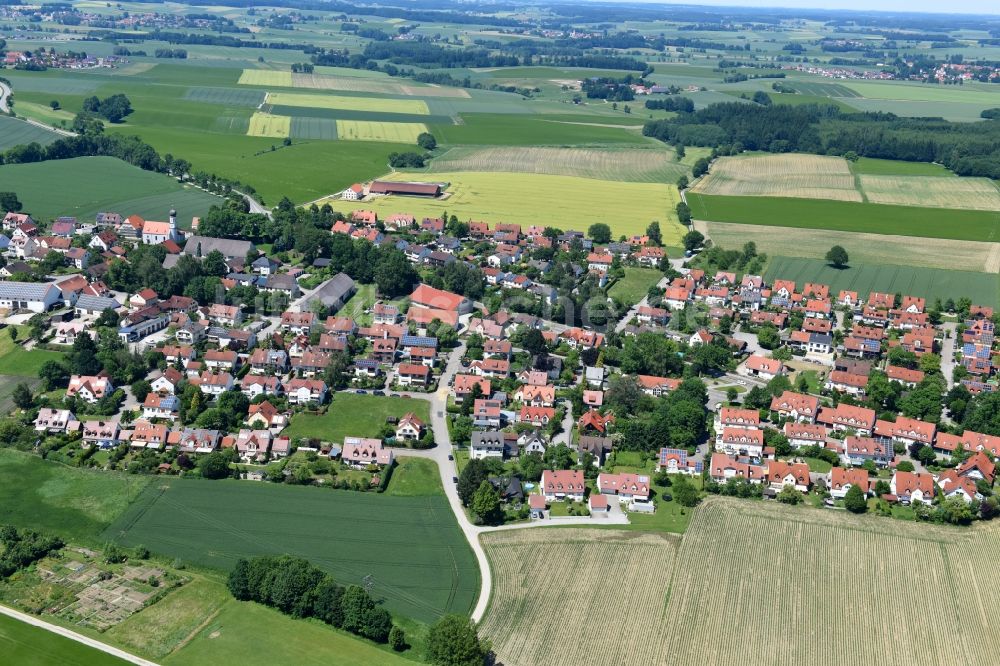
[968, 149]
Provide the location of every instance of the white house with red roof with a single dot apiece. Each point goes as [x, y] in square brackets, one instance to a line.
[741, 441]
[848, 417]
[804, 434]
[796, 406]
[842, 479]
[913, 487]
[722, 468]
[364, 451]
[425, 296]
[89, 388]
[761, 367]
[781, 474]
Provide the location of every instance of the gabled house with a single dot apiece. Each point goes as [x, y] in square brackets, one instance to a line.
[559, 485]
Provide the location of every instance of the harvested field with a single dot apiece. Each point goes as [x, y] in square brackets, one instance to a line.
[863, 248]
[939, 192]
[265, 124]
[793, 175]
[367, 85]
[265, 77]
[629, 165]
[373, 104]
[756, 578]
[558, 596]
[370, 130]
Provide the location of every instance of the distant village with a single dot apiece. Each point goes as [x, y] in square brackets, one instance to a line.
[803, 392]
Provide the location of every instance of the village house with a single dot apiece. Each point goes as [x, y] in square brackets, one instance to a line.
[102, 434]
[628, 487]
[796, 406]
[780, 474]
[677, 461]
[55, 420]
[253, 445]
[88, 388]
[804, 434]
[909, 487]
[253, 386]
[860, 420]
[492, 444]
[761, 367]
[157, 406]
[266, 415]
[857, 450]
[722, 468]
[409, 374]
[560, 485]
[464, 384]
[842, 479]
[360, 452]
[741, 442]
[305, 391]
[410, 428]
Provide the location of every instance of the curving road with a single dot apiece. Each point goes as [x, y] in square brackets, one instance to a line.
[72, 635]
[4, 96]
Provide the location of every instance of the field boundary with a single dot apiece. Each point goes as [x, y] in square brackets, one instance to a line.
[72, 635]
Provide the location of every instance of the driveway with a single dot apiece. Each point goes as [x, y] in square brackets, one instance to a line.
[948, 352]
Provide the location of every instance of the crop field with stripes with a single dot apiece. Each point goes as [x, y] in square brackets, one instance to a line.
[629, 165]
[265, 124]
[421, 564]
[373, 104]
[793, 585]
[265, 77]
[226, 96]
[370, 130]
[933, 191]
[787, 175]
[14, 132]
[564, 597]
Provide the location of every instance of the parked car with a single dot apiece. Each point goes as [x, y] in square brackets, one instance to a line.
[378, 392]
[451, 457]
[360, 392]
[454, 479]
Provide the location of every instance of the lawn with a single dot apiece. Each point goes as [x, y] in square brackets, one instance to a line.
[412, 547]
[565, 202]
[930, 283]
[353, 415]
[88, 185]
[250, 634]
[415, 477]
[26, 645]
[848, 216]
[635, 284]
[73, 503]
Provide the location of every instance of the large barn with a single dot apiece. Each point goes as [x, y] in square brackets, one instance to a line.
[406, 189]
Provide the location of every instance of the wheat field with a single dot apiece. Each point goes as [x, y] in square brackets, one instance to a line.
[635, 165]
[787, 175]
[933, 191]
[265, 77]
[790, 585]
[564, 597]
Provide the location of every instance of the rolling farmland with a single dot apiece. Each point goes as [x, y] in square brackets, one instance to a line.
[370, 130]
[94, 184]
[265, 77]
[829, 583]
[559, 596]
[932, 191]
[372, 104]
[791, 175]
[930, 283]
[15, 132]
[624, 164]
[563, 201]
[851, 216]
[26, 645]
[265, 124]
[864, 248]
[421, 563]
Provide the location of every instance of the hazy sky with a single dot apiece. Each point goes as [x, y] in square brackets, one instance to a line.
[929, 6]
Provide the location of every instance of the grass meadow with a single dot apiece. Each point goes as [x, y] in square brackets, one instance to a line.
[411, 545]
[973, 225]
[930, 283]
[373, 104]
[566, 585]
[75, 503]
[716, 618]
[354, 415]
[486, 129]
[634, 286]
[88, 185]
[565, 202]
[26, 645]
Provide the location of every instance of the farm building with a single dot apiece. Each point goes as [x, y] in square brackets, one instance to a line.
[406, 189]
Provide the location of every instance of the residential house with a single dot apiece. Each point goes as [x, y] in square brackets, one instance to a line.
[857, 450]
[410, 428]
[722, 468]
[909, 487]
[626, 486]
[559, 485]
[305, 391]
[804, 434]
[843, 417]
[102, 434]
[741, 442]
[361, 452]
[158, 406]
[677, 461]
[762, 367]
[842, 479]
[89, 388]
[796, 406]
[55, 420]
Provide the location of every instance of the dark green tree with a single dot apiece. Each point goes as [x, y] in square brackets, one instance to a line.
[837, 256]
[454, 641]
[854, 500]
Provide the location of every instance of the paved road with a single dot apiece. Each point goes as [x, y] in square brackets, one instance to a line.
[948, 352]
[255, 206]
[72, 635]
[4, 95]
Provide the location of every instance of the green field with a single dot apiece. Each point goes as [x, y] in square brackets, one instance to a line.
[253, 635]
[14, 132]
[415, 477]
[635, 284]
[564, 202]
[353, 415]
[26, 645]
[371, 130]
[88, 185]
[374, 104]
[485, 129]
[412, 546]
[876, 167]
[73, 503]
[930, 283]
[848, 216]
